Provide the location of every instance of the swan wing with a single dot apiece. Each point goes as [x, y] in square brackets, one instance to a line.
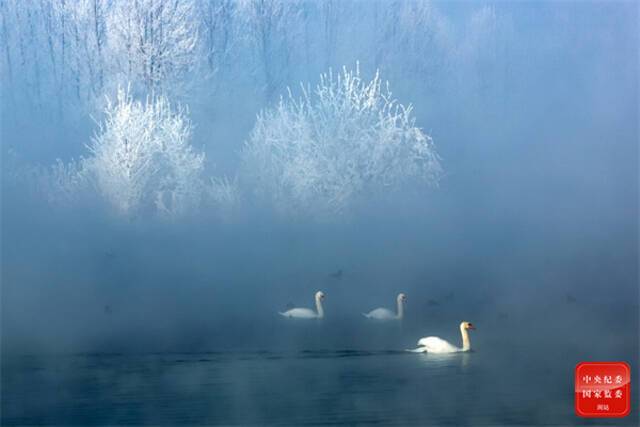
[381, 314]
[437, 345]
[300, 313]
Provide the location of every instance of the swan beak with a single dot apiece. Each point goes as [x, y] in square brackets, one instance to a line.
[471, 327]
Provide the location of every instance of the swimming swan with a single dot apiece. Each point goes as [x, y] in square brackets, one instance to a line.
[307, 313]
[438, 345]
[385, 313]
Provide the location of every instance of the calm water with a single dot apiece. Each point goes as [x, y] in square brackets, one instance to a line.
[295, 388]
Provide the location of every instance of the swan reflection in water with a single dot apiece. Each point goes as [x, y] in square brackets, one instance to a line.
[444, 360]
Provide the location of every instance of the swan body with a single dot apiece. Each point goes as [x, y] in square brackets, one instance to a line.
[300, 313]
[385, 313]
[440, 346]
[307, 313]
[381, 314]
[437, 345]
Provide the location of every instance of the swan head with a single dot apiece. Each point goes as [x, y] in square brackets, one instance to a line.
[319, 296]
[402, 297]
[466, 326]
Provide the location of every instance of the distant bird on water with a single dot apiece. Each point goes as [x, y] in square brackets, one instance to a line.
[307, 313]
[385, 313]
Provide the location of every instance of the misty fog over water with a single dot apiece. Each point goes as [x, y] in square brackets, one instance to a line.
[509, 199]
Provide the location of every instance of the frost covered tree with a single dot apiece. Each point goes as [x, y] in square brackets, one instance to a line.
[270, 28]
[484, 57]
[72, 51]
[140, 164]
[54, 48]
[216, 32]
[153, 41]
[141, 157]
[319, 153]
[423, 43]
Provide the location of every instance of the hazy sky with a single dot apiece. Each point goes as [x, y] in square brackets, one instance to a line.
[533, 108]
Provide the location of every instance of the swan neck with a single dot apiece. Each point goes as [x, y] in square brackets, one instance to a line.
[466, 344]
[400, 309]
[319, 308]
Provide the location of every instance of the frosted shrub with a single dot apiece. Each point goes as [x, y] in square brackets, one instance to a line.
[347, 138]
[224, 197]
[141, 157]
[63, 184]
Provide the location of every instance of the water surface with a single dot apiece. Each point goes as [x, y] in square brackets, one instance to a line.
[294, 388]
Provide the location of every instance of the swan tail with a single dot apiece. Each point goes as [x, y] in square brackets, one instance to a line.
[417, 350]
[366, 315]
[283, 314]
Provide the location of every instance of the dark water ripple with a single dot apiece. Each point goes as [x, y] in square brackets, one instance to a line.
[311, 387]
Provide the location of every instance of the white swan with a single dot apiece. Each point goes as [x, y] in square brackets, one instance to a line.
[385, 313]
[307, 313]
[438, 345]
